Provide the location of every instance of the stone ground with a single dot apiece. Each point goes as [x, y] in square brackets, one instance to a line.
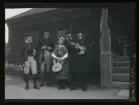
[14, 89]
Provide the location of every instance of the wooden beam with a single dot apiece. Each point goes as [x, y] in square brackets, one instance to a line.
[103, 23]
[105, 57]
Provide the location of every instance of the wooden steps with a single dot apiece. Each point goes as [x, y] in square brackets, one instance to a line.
[121, 58]
[121, 85]
[121, 63]
[121, 69]
[122, 77]
[121, 72]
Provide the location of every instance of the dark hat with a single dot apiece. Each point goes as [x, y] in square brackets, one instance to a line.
[80, 30]
[47, 33]
[69, 32]
[27, 36]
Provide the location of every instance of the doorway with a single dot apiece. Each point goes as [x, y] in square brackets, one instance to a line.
[119, 45]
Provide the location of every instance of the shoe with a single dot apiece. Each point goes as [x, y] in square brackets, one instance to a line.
[27, 87]
[59, 88]
[35, 82]
[49, 85]
[42, 84]
[26, 78]
[72, 88]
[42, 79]
[64, 88]
[84, 89]
[36, 87]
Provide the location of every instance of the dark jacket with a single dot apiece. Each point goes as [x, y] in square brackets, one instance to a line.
[71, 49]
[45, 42]
[28, 50]
[82, 61]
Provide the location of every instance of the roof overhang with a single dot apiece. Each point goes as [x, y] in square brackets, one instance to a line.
[30, 12]
[40, 14]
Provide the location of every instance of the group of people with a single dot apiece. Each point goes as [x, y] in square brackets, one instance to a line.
[71, 53]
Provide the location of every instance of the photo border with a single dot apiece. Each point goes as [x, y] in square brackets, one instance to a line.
[68, 5]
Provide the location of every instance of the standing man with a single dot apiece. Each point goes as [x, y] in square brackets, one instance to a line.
[72, 52]
[81, 62]
[45, 60]
[94, 73]
[30, 62]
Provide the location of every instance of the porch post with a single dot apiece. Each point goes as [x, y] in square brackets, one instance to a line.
[10, 43]
[105, 56]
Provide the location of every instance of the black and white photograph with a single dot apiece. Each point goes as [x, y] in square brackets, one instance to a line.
[69, 53]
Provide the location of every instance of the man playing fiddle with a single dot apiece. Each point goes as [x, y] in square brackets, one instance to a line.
[81, 62]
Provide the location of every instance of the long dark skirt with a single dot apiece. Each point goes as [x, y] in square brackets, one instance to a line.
[64, 73]
[62, 77]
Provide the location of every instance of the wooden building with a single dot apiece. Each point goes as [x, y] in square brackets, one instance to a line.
[57, 20]
[36, 21]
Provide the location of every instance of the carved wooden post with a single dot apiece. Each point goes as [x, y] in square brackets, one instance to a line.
[105, 56]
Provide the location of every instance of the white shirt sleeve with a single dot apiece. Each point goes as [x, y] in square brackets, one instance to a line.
[65, 56]
[54, 56]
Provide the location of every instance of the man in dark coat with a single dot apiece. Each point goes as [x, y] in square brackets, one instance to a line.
[71, 52]
[94, 74]
[81, 62]
[45, 60]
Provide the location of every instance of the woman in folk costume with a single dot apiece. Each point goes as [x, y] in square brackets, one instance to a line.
[60, 53]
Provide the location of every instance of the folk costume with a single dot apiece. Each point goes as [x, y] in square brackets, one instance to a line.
[60, 51]
[30, 64]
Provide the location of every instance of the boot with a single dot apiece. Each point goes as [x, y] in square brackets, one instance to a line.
[41, 79]
[72, 87]
[35, 83]
[63, 84]
[26, 78]
[42, 84]
[48, 79]
[49, 84]
[60, 85]
[84, 88]
[27, 86]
